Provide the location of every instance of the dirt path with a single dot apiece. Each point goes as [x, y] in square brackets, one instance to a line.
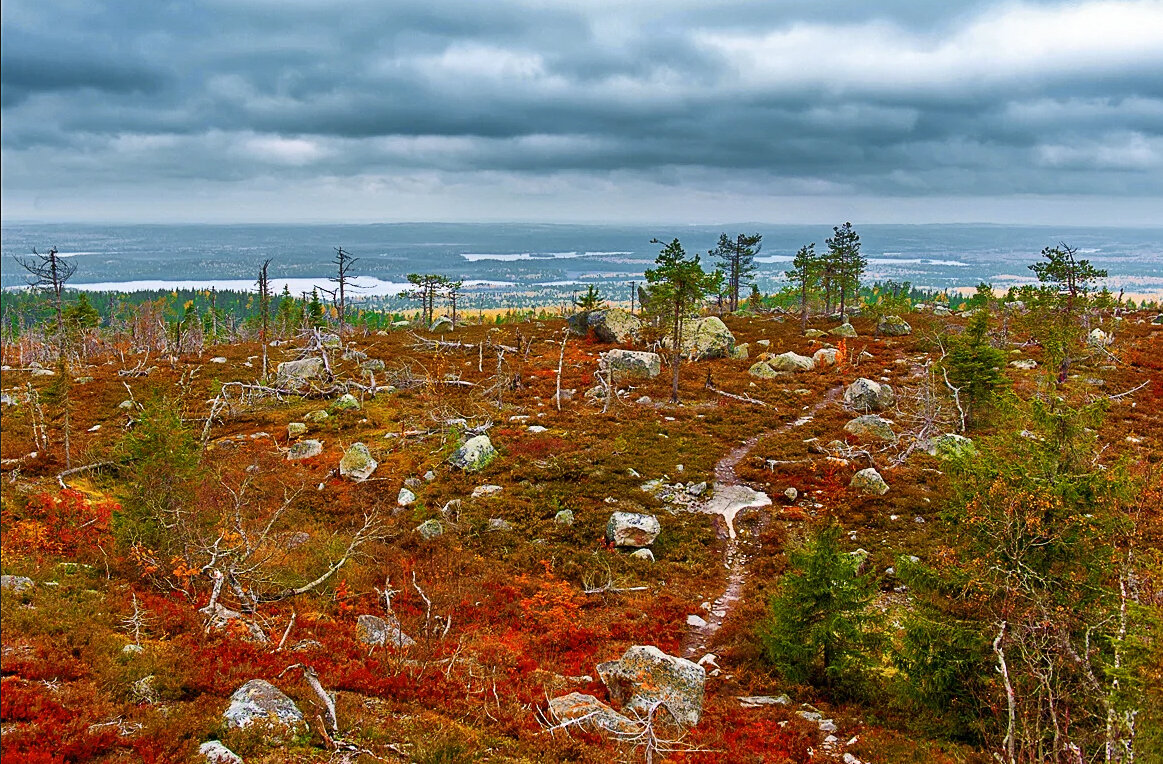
[729, 498]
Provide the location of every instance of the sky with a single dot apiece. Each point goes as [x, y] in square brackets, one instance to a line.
[777, 111]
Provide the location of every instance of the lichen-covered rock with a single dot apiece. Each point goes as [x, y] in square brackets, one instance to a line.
[867, 395]
[814, 334]
[826, 356]
[298, 374]
[952, 446]
[762, 370]
[357, 463]
[1024, 364]
[345, 402]
[942, 311]
[893, 326]
[295, 429]
[430, 529]
[870, 426]
[317, 416]
[16, 584]
[372, 364]
[475, 454]
[588, 712]
[373, 630]
[1098, 338]
[791, 361]
[739, 352]
[843, 330]
[259, 702]
[634, 363]
[869, 481]
[610, 325]
[645, 675]
[632, 529]
[564, 518]
[405, 498]
[705, 338]
[304, 449]
[214, 752]
[441, 324]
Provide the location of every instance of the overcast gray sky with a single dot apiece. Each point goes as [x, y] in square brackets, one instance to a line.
[675, 111]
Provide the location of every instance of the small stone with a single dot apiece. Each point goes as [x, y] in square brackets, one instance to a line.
[476, 454]
[791, 493]
[357, 463]
[632, 529]
[373, 630]
[497, 524]
[429, 476]
[214, 752]
[218, 359]
[405, 498]
[317, 416]
[643, 554]
[564, 517]
[430, 529]
[304, 449]
[696, 621]
[486, 490]
[295, 429]
[346, 402]
[843, 330]
[259, 701]
[869, 481]
[536, 429]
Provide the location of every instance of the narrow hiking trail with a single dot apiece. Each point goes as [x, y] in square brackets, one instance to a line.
[730, 497]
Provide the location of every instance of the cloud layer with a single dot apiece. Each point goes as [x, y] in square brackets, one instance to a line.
[763, 109]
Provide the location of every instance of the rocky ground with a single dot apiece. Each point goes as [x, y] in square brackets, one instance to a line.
[447, 551]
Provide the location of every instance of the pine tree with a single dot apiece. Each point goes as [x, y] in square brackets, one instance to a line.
[846, 262]
[738, 258]
[677, 286]
[820, 629]
[805, 274]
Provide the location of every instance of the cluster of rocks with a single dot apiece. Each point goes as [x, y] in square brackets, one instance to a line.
[642, 680]
[702, 338]
[680, 495]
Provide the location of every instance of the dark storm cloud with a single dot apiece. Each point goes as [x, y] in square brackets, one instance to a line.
[904, 98]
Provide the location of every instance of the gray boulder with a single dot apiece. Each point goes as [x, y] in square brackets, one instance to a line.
[869, 481]
[345, 402]
[304, 449]
[843, 330]
[298, 374]
[475, 454]
[376, 631]
[867, 395]
[952, 446]
[825, 356]
[610, 325]
[357, 463]
[632, 529]
[588, 712]
[705, 338]
[942, 311]
[870, 426]
[260, 702]
[893, 326]
[791, 361]
[213, 752]
[633, 363]
[645, 675]
[1098, 338]
[430, 529]
[16, 584]
[762, 370]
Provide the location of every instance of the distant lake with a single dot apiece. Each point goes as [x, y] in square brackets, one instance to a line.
[549, 261]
